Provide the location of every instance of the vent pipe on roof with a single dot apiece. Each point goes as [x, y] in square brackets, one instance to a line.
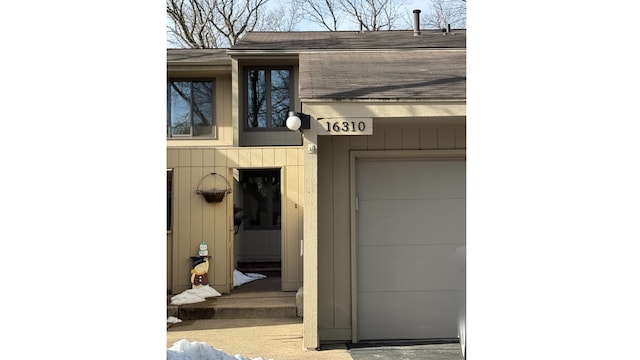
[447, 30]
[416, 22]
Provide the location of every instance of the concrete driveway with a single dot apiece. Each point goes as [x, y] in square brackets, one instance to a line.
[281, 339]
[407, 352]
[277, 339]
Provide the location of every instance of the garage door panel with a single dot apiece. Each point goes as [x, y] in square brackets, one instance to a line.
[409, 268]
[423, 315]
[398, 179]
[421, 221]
[410, 248]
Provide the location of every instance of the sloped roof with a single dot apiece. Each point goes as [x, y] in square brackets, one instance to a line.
[198, 57]
[348, 40]
[391, 64]
[411, 74]
[350, 65]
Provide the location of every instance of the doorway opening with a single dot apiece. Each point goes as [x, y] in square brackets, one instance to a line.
[257, 227]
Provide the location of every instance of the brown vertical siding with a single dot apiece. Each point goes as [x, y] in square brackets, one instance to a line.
[411, 139]
[195, 220]
[428, 137]
[334, 207]
[326, 270]
[292, 227]
[446, 137]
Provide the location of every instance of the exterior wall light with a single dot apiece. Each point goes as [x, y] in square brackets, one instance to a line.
[297, 121]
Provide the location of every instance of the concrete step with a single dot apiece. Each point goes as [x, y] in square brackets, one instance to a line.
[240, 308]
[257, 299]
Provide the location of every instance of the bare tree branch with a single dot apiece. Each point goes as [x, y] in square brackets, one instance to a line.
[370, 15]
[221, 23]
[189, 23]
[283, 18]
[211, 23]
[446, 12]
[325, 13]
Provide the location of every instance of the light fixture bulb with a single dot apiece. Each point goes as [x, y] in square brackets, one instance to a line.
[293, 121]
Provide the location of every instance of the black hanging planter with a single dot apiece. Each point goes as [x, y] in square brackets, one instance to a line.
[213, 195]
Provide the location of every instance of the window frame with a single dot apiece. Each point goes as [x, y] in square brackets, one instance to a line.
[268, 87]
[214, 128]
[170, 198]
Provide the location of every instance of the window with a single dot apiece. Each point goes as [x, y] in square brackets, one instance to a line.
[261, 192]
[190, 109]
[268, 97]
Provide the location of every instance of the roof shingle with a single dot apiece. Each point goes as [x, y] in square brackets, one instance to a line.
[198, 56]
[418, 74]
[349, 40]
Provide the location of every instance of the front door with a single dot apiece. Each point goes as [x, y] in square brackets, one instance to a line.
[258, 238]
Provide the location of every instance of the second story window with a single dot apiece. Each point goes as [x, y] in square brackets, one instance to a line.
[268, 97]
[190, 111]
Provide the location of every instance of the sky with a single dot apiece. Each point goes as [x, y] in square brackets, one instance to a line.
[305, 25]
[411, 5]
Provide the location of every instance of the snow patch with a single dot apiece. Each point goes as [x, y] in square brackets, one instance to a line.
[240, 278]
[185, 350]
[192, 296]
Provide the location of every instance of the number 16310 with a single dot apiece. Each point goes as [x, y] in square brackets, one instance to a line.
[351, 127]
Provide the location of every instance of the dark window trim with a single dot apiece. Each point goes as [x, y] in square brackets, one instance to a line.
[170, 196]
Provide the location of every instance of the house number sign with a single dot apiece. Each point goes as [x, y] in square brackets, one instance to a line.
[345, 126]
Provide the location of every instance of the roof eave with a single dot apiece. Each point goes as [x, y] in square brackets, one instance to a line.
[383, 100]
[271, 53]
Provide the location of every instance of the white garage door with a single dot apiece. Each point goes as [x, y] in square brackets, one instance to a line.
[410, 248]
